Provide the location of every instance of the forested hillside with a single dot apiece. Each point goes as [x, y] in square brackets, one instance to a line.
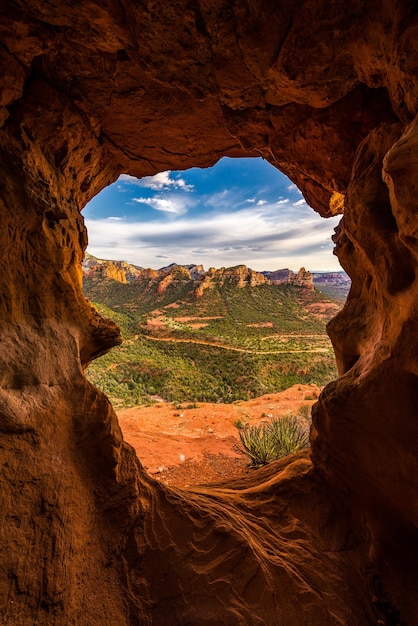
[230, 343]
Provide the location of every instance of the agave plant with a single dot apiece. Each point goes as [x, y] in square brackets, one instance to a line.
[268, 442]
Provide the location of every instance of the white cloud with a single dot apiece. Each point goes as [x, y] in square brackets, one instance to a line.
[233, 224]
[262, 237]
[167, 205]
[160, 182]
[126, 178]
[220, 200]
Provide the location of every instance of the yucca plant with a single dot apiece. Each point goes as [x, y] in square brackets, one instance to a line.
[258, 444]
[289, 435]
[268, 442]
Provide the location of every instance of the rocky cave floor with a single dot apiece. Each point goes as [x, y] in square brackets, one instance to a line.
[196, 443]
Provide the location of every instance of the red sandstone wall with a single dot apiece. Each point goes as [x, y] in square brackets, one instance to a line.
[328, 94]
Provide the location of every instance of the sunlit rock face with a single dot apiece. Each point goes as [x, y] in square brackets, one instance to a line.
[328, 93]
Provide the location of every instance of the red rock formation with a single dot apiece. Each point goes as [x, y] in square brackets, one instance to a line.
[116, 270]
[278, 277]
[240, 276]
[176, 274]
[302, 279]
[328, 93]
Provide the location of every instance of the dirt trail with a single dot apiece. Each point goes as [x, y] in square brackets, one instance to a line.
[234, 349]
[292, 336]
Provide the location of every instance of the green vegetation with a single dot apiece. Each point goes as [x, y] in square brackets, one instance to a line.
[338, 293]
[230, 344]
[268, 442]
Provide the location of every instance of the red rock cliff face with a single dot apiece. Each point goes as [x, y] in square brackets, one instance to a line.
[328, 93]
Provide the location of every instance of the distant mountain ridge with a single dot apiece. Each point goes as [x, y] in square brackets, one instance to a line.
[334, 284]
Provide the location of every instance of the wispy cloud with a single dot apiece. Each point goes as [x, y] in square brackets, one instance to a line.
[231, 214]
[166, 204]
[258, 236]
[160, 182]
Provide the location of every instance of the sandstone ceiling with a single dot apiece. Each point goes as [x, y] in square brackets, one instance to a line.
[328, 93]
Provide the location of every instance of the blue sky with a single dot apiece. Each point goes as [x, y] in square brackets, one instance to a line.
[239, 211]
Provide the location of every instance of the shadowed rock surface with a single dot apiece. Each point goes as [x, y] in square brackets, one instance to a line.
[326, 92]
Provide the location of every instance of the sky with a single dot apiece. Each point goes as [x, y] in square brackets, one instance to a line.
[240, 211]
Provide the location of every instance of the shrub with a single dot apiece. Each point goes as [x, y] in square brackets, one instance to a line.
[268, 442]
[290, 435]
[305, 412]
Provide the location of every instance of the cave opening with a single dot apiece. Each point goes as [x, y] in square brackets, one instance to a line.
[189, 364]
[328, 95]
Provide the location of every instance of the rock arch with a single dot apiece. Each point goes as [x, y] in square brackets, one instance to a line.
[328, 94]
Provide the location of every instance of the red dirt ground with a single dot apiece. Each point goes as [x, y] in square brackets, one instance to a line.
[189, 446]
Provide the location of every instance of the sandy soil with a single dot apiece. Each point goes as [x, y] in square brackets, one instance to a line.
[197, 445]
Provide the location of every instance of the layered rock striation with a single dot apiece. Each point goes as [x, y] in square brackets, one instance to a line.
[327, 93]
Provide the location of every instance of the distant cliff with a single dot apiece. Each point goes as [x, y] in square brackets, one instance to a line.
[331, 278]
[117, 270]
[240, 275]
[335, 285]
[303, 278]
